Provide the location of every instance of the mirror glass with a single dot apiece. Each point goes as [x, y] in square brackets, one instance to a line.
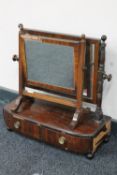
[49, 63]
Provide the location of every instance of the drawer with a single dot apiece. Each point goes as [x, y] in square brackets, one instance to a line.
[27, 127]
[23, 126]
[66, 141]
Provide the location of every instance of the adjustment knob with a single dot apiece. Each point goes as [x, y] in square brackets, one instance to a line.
[107, 77]
[15, 58]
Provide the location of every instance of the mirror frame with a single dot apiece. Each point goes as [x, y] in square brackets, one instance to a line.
[76, 49]
[78, 43]
[96, 43]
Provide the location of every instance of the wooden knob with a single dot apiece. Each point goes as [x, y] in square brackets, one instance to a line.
[21, 26]
[62, 140]
[107, 77]
[17, 125]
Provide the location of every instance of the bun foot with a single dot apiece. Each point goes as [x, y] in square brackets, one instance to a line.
[106, 140]
[9, 129]
[89, 156]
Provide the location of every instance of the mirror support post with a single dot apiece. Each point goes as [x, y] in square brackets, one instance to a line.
[79, 110]
[19, 101]
[99, 112]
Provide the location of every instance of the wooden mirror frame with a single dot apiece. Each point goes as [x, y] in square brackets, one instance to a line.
[72, 40]
[45, 86]
[95, 64]
[79, 58]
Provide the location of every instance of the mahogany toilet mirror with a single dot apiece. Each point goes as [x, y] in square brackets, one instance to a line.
[59, 68]
[60, 79]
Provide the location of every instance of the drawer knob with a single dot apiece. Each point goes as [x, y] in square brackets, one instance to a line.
[61, 140]
[17, 125]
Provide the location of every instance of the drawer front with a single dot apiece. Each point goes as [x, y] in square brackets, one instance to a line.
[23, 126]
[26, 127]
[66, 141]
[49, 135]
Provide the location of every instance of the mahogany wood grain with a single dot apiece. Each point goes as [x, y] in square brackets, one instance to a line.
[47, 116]
[40, 85]
[76, 144]
[52, 98]
[56, 115]
[80, 72]
[49, 122]
[56, 35]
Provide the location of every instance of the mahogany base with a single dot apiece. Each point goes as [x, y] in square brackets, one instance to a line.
[50, 122]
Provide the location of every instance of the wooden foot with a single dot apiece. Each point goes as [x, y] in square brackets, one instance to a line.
[106, 140]
[9, 129]
[90, 156]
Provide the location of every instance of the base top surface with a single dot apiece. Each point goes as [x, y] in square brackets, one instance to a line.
[57, 117]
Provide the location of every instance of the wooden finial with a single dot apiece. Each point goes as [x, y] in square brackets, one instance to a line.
[83, 36]
[21, 27]
[104, 38]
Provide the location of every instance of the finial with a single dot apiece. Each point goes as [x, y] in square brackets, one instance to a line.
[21, 27]
[104, 38]
[83, 36]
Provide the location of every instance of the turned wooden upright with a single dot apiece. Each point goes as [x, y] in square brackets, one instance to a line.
[101, 77]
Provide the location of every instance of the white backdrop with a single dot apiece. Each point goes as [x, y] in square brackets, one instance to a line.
[92, 17]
